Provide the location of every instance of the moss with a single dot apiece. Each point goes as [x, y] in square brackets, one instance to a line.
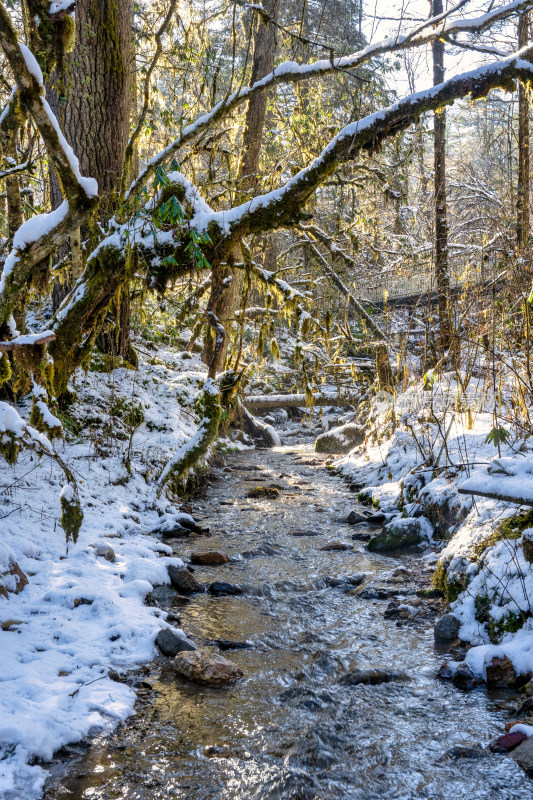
[37, 421]
[9, 448]
[450, 589]
[509, 528]
[209, 409]
[365, 497]
[5, 369]
[263, 491]
[71, 518]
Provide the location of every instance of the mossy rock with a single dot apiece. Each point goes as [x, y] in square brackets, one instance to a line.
[340, 440]
[262, 492]
[449, 588]
[396, 534]
[510, 528]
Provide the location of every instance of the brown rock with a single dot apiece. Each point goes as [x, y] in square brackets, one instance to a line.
[210, 558]
[204, 666]
[20, 580]
[183, 580]
[501, 673]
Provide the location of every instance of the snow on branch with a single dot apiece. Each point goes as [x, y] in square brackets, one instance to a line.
[39, 236]
[290, 72]
[282, 207]
[26, 340]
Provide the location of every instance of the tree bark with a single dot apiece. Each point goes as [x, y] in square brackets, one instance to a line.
[442, 278]
[91, 96]
[522, 190]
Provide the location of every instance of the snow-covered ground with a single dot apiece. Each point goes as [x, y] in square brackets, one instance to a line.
[80, 614]
[425, 445]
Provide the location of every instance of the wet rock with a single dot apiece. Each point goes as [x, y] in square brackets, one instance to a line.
[523, 755]
[465, 751]
[221, 588]
[340, 440]
[305, 532]
[401, 532]
[446, 671]
[507, 742]
[501, 673]
[336, 547]
[371, 677]
[526, 707]
[104, 551]
[177, 532]
[230, 644]
[171, 642]
[375, 592]
[345, 580]
[363, 536]
[377, 517]
[396, 610]
[354, 517]
[183, 580]
[262, 492]
[203, 666]
[218, 751]
[446, 628]
[464, 678]
[209, 557]
[264, 550]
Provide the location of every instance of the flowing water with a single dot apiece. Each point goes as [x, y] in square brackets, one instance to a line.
[289, 730]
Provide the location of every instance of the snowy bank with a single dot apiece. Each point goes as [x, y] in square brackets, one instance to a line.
[80, 614]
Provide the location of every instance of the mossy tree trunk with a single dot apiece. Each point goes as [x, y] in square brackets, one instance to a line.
[91, 95]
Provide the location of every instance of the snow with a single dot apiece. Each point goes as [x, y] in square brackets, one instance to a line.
[31, 63]
[29, 232]
[393, 466]
[54, 661]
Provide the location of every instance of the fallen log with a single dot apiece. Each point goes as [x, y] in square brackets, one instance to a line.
[268, 401]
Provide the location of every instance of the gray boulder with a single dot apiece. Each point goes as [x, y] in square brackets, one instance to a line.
[401, 532]
[340, 440]
[104, 551]
[523, 755]
[446, 628]
[172, 642]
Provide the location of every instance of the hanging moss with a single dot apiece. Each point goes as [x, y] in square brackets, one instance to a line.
[71, 517]
[5, 369]
[9, 448]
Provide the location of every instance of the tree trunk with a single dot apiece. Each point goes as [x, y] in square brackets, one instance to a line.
[223, 304]
[442, 278]
[91, 94]
[522, 189]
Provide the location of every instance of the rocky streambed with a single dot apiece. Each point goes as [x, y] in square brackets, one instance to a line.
[339, 696]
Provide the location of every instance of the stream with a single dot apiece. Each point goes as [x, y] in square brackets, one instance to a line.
[289, 730]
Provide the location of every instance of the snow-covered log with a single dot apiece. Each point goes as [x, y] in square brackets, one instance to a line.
[268, 401]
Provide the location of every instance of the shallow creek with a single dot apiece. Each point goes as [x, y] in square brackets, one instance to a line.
[289, 730]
